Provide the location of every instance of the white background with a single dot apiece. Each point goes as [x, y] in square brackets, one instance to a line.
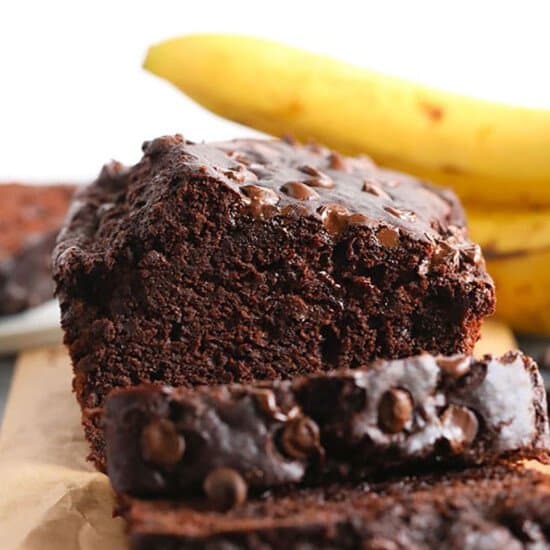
[73, 94]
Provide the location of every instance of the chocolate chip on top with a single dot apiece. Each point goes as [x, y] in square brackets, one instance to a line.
[225, 488]
[460, 425]
[471, 252]
[240, 157]
[400, 213]
[375, 190]
[336, 218]
[267, 403]
[445, 253]
[318, 178]
[454, 366]
[394, 410]
[299, 190]
[388, 236]
[455, 248]
[161, 443]
[262, 195]
[300, 438]
[337, 162]
[240, 174]
[263, 200]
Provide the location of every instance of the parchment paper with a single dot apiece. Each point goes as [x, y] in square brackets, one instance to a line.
[50, 497]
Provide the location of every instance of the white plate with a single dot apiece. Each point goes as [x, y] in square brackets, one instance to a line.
[36, 327]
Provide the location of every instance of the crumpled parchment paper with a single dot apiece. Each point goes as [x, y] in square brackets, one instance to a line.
[50, 497]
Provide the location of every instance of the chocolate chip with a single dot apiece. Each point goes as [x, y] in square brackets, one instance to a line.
[400, 213]
[262, 195]
[336, 218]
[300, 438]
[310, 170]
[318, 179]
[375, 190]
[460, 426]
[445, 253]
[337, 162]
[239, 156]
[394, 410]
[267, 403]
[262, 201]
[161, 443]
[300, 191]
[455, 366]
[225, 488]
[388, 236]
[238, 174]
[472, 253]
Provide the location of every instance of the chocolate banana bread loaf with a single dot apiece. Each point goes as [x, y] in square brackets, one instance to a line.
[162, 441]
[257, 259]
[497, 507]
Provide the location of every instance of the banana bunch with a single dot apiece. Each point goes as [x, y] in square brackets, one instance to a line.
[516, 245]
[496, 157]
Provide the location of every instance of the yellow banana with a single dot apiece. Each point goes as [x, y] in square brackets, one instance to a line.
[490, 153]
[523, 290]
[517, 250]
[496, 338]
[505, 232]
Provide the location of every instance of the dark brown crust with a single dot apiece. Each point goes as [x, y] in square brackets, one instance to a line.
[195, 267]
[460, 409]
[500, 506]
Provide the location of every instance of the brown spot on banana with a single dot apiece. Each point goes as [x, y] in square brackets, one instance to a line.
[452, 169]
[434, 112]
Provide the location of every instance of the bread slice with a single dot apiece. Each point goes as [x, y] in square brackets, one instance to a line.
[502, 506]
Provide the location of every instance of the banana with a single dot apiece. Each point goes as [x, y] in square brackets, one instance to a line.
[508, 232]
[517, 249]
[489, 153]
[495, 338]
[523, 290]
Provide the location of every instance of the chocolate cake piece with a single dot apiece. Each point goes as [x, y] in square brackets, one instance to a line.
[28, 212]
[257, 259]
[162, 441]
[504, 507]
[30, 218]
[26, 278]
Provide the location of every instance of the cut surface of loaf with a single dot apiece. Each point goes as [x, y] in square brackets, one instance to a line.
[258, 259]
